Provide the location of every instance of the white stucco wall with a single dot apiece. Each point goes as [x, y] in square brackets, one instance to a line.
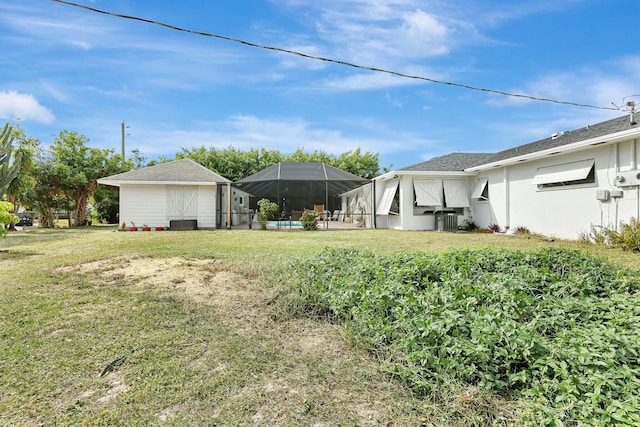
[207, 207]
[147, 204]
[563, 212]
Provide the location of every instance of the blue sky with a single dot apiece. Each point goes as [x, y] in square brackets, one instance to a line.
[63, 67]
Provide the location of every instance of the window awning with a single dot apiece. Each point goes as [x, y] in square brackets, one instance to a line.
[455, 193]
[387, 198]
[480, 186]
[566, 172]
[428, 192]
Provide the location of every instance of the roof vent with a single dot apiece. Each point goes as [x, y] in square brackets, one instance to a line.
[632, 109]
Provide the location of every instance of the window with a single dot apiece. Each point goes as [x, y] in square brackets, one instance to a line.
[566, 174]
[455, 193]
[428, 192]
[387, 198]
[481, 191]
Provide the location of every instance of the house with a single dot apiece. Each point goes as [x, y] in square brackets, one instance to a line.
[558, 186]
[179, 194]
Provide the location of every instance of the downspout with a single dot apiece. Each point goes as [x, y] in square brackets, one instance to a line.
[634, 166]
[228, 206]
[507, 198]
[373, 203]
[617, 169]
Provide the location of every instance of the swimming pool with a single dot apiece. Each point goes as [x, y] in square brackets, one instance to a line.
[284, 224]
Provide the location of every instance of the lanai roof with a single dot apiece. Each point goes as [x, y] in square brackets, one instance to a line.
[185, 171]
[261, 184]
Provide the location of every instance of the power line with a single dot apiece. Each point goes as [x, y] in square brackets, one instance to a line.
[334, 61]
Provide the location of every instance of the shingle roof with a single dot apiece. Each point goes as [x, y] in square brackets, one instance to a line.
[461, 161]
[560, 139]
[453, 162]
[185, 170]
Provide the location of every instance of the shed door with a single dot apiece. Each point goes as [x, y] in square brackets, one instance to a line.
[182, 202]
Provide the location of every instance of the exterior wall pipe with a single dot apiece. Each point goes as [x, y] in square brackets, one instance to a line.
[373, 204]
[507, 198]
[616, 168]
[228, 205]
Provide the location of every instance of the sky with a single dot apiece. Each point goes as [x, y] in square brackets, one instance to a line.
[66, 68]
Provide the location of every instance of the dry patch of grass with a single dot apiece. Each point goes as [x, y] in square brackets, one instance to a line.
[285, 371]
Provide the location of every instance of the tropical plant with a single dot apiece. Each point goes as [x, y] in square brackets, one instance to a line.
[494, 228]
[20, 190]
[628, 238]
[8, 169]
[266, 211]
[309, 219]
[470, 225]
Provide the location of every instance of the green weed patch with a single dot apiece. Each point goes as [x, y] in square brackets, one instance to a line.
[556, 327]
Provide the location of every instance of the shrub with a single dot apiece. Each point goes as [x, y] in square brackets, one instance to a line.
[309, 219]
[597, 235]
[470, 225]
[628, 238]
[521, 229]
[266, 210]
[494, 228]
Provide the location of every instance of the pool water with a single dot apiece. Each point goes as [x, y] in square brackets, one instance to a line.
[286, 224]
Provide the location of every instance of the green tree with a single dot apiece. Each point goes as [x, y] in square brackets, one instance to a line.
[230, 162]
[47, 195]
[366, 165]
[78, 168]
[6, 217]
[235, 164]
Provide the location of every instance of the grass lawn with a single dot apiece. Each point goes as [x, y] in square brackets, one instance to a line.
[99, 327]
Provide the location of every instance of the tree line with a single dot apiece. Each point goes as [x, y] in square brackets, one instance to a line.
[63, 176]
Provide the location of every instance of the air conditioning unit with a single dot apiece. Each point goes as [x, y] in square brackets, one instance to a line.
[446, 222]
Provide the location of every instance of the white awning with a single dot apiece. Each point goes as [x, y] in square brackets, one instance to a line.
[428, 192]
[455, 193]
[387, 198]
[480, 186]
[566, 172]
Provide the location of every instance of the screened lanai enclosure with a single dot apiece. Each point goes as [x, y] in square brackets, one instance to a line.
[296, 186]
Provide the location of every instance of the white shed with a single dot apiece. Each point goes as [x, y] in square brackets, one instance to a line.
[178, 194]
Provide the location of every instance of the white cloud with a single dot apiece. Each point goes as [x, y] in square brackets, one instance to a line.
[24, 106]
[81, 44]
[604, 85]
[285, 134]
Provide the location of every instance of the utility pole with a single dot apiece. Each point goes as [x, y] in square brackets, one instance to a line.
[123, 159]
